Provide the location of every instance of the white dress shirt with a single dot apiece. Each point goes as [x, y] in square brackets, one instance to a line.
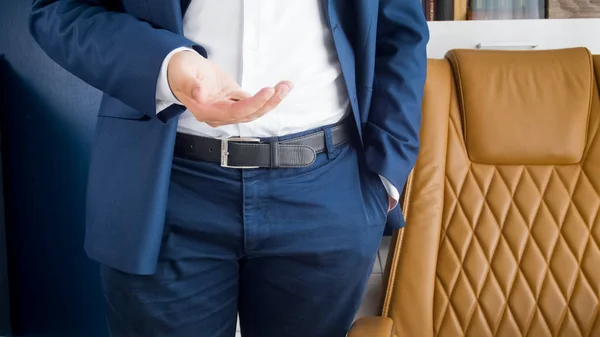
[262, 42]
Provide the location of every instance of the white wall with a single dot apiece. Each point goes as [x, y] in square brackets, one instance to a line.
[514, 34]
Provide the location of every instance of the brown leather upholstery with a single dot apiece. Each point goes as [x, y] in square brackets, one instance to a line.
[503, 206]
[506, 98]
[372, 327]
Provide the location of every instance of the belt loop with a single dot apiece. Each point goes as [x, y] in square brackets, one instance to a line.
[274, 154]
[331, 150]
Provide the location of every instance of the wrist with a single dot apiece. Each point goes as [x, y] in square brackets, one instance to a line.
[164, 94]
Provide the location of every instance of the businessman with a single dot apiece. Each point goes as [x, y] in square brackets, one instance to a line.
[247, 155]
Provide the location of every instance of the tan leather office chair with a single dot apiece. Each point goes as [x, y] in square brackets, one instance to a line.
[503, 206]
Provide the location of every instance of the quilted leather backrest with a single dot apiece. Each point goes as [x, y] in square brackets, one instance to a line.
[497, 249]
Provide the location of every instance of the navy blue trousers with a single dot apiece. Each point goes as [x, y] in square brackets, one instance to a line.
[290, 250]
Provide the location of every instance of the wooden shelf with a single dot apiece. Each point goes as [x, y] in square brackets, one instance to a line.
[513, 34]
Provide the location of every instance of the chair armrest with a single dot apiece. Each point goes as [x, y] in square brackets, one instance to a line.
[375, 326]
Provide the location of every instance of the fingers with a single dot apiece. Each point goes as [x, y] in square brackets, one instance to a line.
[236, 106]
[248, 106]
[282, 89]
[238, 95]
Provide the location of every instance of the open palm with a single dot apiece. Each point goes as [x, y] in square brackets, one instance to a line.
[213, 97]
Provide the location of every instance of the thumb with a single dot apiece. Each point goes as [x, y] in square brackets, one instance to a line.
[186, 88]
[184, 85]
[195, 90]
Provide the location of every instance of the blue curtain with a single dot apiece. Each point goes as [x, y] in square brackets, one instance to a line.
[47, 119]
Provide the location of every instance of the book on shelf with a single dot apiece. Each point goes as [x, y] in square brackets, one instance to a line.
[505, 9]
[438, 10]
[448, 10]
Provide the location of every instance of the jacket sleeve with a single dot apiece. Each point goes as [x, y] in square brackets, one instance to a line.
[391, 135]
[112, 51]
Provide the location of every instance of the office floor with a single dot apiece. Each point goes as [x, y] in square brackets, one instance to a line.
[372, 298]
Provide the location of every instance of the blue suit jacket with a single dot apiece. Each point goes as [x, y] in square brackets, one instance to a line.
[118, 46]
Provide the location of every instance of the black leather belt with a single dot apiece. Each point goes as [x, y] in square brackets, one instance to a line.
[253, 153]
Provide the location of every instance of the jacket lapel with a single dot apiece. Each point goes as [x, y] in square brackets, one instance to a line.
[345, 54]
[184, 6]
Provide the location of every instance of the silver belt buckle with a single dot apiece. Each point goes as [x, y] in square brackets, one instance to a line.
[225, 151]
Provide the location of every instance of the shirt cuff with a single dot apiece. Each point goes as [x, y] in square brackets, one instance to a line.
[164, 95]
[391, 190]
